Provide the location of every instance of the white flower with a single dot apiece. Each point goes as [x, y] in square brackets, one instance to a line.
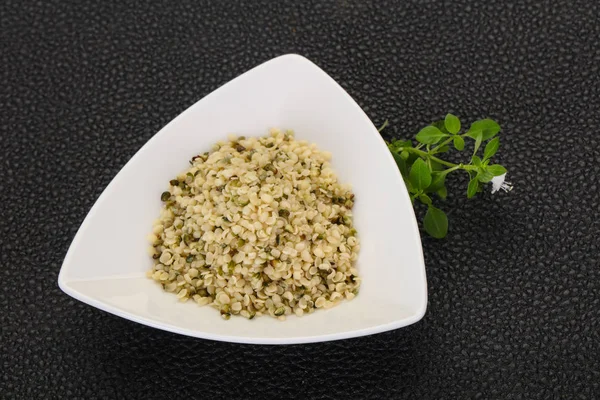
[499, 183]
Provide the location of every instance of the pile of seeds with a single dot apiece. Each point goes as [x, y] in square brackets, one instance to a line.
[257, 226]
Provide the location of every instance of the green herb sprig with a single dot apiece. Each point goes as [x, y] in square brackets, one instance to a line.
[425, 173]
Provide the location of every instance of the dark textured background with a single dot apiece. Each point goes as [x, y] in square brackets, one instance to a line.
[514, 293]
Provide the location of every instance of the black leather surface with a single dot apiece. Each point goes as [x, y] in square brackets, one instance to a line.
[514, 292]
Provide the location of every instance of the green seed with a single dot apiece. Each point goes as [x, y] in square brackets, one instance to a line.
[270, 167]
[266, 278]
[174, 182]
[240, 148]
[189, 259]
[165, 196]
[280, 311]
[241, 203]
[336, 220]
[284, 213]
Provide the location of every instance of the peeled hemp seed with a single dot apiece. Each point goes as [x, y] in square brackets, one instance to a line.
[258, 226]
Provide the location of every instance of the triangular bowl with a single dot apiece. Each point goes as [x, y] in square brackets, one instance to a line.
[106, 263]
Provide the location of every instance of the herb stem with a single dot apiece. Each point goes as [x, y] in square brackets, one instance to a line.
[426, 155]
[430, 157]
[445, 142]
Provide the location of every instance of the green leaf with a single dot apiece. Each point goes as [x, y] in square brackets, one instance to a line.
[398, 145]
[478, 141]
[402, 143]
[452, 123]
[435, 222]
[440, 125]
[476, 161]
[401, 163]
[488, 127]
[383, 126]
[420, 176]
[459, 143]
[496, 169]
[436, 166]
[430, 135]
[472, 189]
[411, 160]
[484, 176]
[425, 199]
[442, 149]
[491, 148]
[473, 133]
[437, 182]
[443, 192]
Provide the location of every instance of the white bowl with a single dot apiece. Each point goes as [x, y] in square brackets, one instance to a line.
[106, 263]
